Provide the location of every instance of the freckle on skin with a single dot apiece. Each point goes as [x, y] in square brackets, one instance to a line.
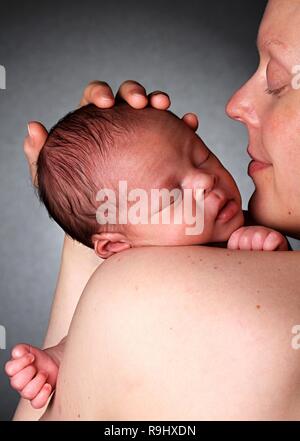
[239, 262]
[258, 306]
[258, 291]
[215, 267]
[227, 254]
[289, 213]
[78, 416]
[136, 287]
[170, 328]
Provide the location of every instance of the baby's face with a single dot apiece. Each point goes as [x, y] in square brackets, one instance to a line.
[169, 155]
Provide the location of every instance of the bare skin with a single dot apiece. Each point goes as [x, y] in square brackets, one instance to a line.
[211, 341]
[230, 356]
[78, 262]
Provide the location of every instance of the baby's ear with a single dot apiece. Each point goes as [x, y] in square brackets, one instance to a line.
[107, 244]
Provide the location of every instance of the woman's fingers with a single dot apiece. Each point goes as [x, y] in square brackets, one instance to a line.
[98, 93]
[159, 100]
[33, 143]
[132, 93]
[12, 367]
[191, 119]
[42, 397]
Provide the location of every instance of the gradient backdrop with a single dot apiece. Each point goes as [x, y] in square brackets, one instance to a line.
[197, 51]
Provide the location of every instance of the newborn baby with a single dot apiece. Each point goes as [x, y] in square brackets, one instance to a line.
[92, 149]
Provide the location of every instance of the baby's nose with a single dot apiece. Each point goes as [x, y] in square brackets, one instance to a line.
[201, 181]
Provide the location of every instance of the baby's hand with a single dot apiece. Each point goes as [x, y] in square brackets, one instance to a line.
[33, 373]
[257, 238]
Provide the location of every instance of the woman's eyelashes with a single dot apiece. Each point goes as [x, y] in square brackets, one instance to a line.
[276, 91]
[277, 78]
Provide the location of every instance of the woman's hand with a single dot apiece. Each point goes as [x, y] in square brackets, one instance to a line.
[100, 94]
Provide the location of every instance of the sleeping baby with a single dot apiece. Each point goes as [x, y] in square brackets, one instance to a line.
[120, 178]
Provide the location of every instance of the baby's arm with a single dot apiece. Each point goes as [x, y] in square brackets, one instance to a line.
[33, 371]
[257, 238]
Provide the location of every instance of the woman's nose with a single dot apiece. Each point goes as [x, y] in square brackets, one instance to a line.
[242, 105]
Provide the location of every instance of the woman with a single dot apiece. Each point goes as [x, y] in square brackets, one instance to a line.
[214, 340]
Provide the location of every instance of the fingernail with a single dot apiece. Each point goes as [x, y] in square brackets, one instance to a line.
[31, 358]
[28, 128]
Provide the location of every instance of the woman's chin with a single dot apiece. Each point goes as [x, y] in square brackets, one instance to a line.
[279, 219]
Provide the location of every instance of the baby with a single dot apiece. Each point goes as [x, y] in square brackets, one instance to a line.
[86, 158]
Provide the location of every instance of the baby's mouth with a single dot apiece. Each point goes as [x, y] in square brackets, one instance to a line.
[228, 211]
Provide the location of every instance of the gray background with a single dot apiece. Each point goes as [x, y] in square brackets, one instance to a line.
[197, 51]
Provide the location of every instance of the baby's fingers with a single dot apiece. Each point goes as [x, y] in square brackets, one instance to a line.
[12, 367]
[275, 241]
[42, 397]
[32, 389]
[233, 242]
[22, 378]
[20, 350]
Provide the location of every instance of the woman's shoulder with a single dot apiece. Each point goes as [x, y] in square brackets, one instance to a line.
[265, 281]
[213, 322]
[149, 265]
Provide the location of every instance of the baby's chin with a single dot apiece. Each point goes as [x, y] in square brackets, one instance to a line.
[222, 232]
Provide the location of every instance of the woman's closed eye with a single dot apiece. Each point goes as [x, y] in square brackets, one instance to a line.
[277, 91]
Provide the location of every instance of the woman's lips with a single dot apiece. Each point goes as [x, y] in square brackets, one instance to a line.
[254, 166]
[229, 210]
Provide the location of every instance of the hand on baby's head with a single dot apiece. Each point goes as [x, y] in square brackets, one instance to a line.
[33, 373]
[91, 149]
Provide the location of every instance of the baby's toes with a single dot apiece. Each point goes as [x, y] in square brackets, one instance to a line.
[12, 367]
[32, 389]
[42, 397]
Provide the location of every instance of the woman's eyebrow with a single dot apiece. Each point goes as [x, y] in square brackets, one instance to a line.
[268, 42]
[276, 49]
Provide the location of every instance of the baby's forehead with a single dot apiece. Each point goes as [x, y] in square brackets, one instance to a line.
[162, 124]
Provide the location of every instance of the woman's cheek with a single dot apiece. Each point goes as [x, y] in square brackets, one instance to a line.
[280, 133]
[281, 139]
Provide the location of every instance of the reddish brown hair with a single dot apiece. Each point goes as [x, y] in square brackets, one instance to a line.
[72, 164]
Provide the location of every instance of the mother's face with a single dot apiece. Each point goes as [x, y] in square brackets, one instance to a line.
[269, 105]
